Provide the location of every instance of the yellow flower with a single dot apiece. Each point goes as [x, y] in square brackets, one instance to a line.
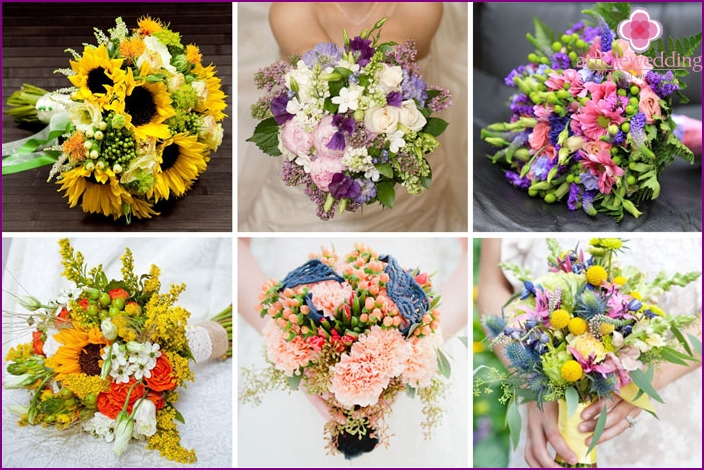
[571, 371]
[559, 319]
[149, 26]
[131, 48]
[596, 275]
[193, 54]
[79, 353]
[636, 295]
[97, 75]
[587, 345]
[656, 310]
[620, 280]
[577, 326]
[100, 197]
[213, 103]
[606, 328]
[83, 385]
[183, 159]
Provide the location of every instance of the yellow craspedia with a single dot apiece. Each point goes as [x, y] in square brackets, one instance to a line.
[606, 328]
[620, 280]
[577, 326]
[559, 319]
[596, 275]
[571, 371]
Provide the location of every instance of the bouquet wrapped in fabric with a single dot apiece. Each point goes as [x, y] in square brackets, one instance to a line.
[591, 121]
[587, 330]
[355, 331]
[351, 122]
[137, 126]
[107, 357]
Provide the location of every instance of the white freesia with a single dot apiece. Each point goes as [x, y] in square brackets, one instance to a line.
[85, 116]
[411, 117]
[382, 120]
[348, 98]
[67, 295]
[144, 418]
[156, 55]
[390, 78]
[396, 141]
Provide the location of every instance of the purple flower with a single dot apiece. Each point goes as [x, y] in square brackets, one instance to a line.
[413, 87]
[344, 187]
[557, 125]
[325, 54]
[573, 201]
[588, 202]
[521, 105]
[619, 138]
[394, 99]
[589, 181]
[560, 60]
[441, 102]
[637, 124]
[337, 141]
[278, 109]
[516, 180]
[542, 166]
[362, 49]
[368, 191]
[345, 126]
[607, 37]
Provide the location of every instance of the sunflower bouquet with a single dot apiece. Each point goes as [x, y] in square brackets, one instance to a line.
[137, 126]
[588, 329]
[355, 331]
[107, 357]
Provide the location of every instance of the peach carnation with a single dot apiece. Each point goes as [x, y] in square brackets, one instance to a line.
[287, 356]
[328, 296]
[422, 364]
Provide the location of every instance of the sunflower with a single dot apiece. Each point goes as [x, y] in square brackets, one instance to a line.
[79, 353]
[214, 102]
[145, 107]
[100, 191]
[183, 158]
[97, 75]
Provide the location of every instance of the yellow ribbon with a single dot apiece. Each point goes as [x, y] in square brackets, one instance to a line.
[629, 392]
[575, 439]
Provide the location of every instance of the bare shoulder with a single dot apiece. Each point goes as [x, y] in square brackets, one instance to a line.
[295, 26]
[418, 21]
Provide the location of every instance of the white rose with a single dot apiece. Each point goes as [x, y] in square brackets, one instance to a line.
[85, 116]
[390, 78]
[201, 90]
[174, 82]
[156, 55]
[382, 120]
[411, 117]
[211, 132]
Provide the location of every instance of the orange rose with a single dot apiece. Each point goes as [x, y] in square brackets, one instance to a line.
[37, 343]
[110, 403]
[118, 294]
[157, 399]
[161, 376]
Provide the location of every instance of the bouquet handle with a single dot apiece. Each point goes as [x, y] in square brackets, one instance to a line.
[208, 341]
[575, 439]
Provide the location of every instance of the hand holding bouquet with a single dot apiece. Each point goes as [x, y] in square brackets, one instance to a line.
[351, 122]
[591, 121]
[587, 330]
[355, 331]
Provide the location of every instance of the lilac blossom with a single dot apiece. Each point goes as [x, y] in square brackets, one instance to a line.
[272, 76]
[440, 102]
[413, 87]
[405, 55]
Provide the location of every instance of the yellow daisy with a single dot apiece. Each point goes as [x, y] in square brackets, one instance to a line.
[99, 192]
[183, 158]
[97, 75]
[148, 26]
[79, 353]
[214, 102]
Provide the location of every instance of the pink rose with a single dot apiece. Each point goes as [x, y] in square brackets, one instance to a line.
[322, 170]
[539, 138]
[649, 104]
[295, 138]
[630, 61]
[321, 136]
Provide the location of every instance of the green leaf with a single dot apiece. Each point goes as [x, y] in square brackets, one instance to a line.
[670, 355]
[513, 418]
[678, 334]
[696, 343]
[443, 363]
[178, 416]
[386, 194]
[644, 383]
[266, 136]
[426, 181]
[345, 72]
[410, 391]
[294, 381]
[386, 170]
[598, 430]
[435, 126]
[572, 399]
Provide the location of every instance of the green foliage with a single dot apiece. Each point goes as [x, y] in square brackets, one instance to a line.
[266, 136]
[612, 12]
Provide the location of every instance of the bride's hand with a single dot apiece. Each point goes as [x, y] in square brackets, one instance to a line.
[542, 429]
[617, 418]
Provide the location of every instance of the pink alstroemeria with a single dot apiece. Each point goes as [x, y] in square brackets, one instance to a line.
[602, 166]
[589, 363]
[595, 117]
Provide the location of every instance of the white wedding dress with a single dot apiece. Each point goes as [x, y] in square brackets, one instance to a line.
[674, 440]
[33, 266]
[287, 431]
[266, 204]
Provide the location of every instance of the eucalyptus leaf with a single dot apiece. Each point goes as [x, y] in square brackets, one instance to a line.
[644, 383]
[599, 429]
[572, 399]
[696, 343]
[443, 363]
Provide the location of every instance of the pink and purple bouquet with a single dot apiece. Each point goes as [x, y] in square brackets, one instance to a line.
[351, 122]
[356, 331]
[591, 121]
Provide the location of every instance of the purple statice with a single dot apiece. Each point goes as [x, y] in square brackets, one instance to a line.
[589, 34]
[362, 50]
[368, 190]
[619, 138]
[278, 109]
[607, 37]
[637, 124]
[516, 180]
[588, 202]
[414, 88]
[272, 76]
[405, 55]
[589, 181]
[293, 174]
[557, 125]
[442, 101]
[518, 71]
[395, 98]
[662, 85]
[344, 187]
[574, 200]
[325, 54]
[561, 61]
[521, 105]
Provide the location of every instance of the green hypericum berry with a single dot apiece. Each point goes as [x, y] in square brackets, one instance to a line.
[625, 127]
[556, 46]
[635, 90]
[550, 198]
[631, 180]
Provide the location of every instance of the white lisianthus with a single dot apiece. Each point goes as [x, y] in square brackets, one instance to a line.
[51, 104]
[390, 78]
[156, 55]
[347, 65]
[382, 120]
[348, 98]
[123, 432]
[411, 117]
[108, 328]
[144, 418]
[211, 132]
[85, 116]
[147, 163]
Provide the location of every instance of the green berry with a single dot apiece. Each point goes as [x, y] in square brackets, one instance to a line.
[104, 299]
[550, 198]
[118, 302]
[631, 180]
[625, 127]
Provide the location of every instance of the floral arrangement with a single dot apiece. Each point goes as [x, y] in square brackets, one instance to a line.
[585, 331]
[108, 357]
[139, 122]
[591, 120]
[355, 331]
[351, 122]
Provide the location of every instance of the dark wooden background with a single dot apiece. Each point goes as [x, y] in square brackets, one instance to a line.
[34, 37]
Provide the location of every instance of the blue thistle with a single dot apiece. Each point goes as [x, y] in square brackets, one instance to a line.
[590, 304]
[603, 386]
[494, 324]
[521, 358]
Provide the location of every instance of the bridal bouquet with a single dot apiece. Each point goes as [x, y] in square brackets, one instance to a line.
[356, 331]
[108, 357]
[586, 330]
[591, 120]
[138, 124]
[351, 122]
